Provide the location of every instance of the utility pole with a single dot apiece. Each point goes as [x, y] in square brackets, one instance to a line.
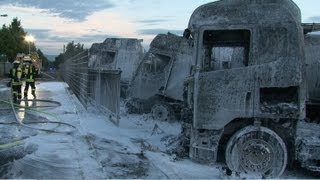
[29, 39]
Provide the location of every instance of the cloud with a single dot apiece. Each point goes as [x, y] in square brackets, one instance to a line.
[75, 10]
[314, 19]
[51, 42]
[158, 31]
[94, 38]
[39, 33]
[54, 45]
[49, 35]
[152, 21]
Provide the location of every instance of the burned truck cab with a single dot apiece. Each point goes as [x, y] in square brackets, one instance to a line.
[157, 85]
[247, 90]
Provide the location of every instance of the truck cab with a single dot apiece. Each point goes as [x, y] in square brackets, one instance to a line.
[157, 86]
[248, 87]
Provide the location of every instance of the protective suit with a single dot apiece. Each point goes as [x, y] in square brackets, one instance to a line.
[15, 75]
[30, 73]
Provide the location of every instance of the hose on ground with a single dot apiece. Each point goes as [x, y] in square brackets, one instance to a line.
[55, 103]
[20, 121]
[11, 144]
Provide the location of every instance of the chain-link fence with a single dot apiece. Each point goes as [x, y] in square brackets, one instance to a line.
[94, 87]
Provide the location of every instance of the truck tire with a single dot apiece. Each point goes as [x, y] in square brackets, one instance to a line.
[257, 151]
[162, 112]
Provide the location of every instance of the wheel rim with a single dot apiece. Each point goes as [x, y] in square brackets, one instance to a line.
[256, 156]
[257, 151]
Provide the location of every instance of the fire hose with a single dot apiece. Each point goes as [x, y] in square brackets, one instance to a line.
[20, 121]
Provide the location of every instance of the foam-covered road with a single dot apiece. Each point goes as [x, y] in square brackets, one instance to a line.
[95, 149]
[86, 145]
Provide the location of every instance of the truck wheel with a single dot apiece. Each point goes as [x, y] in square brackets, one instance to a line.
[256, 151]
[162, 112]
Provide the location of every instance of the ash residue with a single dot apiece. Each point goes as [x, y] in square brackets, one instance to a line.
[177, 145]
[286, 109]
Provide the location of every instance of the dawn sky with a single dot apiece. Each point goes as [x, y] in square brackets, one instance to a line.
[54, 23]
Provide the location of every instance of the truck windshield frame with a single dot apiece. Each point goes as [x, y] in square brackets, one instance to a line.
[225, 49]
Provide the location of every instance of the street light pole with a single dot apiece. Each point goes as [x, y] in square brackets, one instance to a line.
[29, 39]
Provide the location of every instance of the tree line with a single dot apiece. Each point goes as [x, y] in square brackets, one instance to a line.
[12, 42]
[69, 50]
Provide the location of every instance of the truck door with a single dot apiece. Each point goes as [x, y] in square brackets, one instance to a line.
[223, 85]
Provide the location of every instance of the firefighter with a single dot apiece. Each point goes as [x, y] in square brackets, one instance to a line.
[30, 73]
[15, 75]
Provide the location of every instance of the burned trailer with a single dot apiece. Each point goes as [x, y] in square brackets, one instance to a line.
[248, 91]
[122, 54]
[157, 86]
[308, 134]
[312, 54]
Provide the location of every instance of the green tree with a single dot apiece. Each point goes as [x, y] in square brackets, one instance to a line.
[18, 35]
[12, 40]
[70, 50]
[45, 61]
[7, 43]
[58, 60]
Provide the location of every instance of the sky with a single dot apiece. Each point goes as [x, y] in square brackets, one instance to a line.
[55, 23]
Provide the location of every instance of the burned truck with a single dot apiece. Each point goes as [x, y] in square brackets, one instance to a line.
[122, 54]
[157, 86]
[248, 92]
